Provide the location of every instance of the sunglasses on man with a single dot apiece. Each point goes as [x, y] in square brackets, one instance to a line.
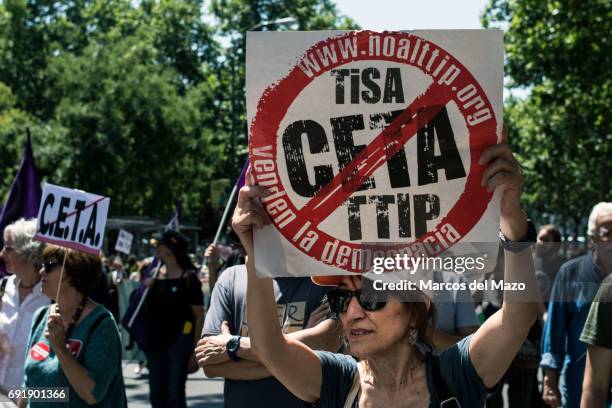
[339, 300]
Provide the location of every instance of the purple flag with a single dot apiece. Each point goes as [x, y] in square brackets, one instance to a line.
[173, 224]
[24, 196]
[242, 179]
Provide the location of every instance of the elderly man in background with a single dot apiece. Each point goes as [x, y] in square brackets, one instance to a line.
[575, 286]
[21, 297]
[597, 333]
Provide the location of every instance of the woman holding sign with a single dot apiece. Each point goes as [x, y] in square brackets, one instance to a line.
[75, 342]
[387, 337]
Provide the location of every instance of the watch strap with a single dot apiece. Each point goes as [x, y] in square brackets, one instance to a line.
[232, 347]
[518, 246]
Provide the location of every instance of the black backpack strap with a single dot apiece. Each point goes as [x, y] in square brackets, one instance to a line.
[447, 400]
[39, 318]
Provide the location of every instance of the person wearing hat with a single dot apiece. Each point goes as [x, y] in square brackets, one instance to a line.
[216, 265]
[175, 311]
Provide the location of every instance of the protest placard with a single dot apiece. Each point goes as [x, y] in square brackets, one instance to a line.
[72, 218]
[124, 242]
[365, 137]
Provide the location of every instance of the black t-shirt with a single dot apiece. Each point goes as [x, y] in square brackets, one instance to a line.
[169, 311]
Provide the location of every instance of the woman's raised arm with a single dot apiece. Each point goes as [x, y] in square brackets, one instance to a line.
[497, 341]
[295, 365]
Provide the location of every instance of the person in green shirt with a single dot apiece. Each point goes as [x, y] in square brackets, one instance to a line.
[597, 333]
[75, 342]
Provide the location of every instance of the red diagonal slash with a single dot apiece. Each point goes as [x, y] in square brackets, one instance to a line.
[393, 138]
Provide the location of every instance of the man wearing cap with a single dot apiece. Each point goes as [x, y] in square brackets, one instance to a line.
[224, 350]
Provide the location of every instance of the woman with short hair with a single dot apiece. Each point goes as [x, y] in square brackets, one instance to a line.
[75, 342]
[387, 336]
[21, 297]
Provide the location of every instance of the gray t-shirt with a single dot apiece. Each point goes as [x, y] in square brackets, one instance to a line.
[296, 298]
[454, 308]
[456, 369]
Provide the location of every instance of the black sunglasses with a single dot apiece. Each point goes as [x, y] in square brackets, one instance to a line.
[339, 300]
[49, 265]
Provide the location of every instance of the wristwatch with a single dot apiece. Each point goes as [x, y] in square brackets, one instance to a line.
[232, 346]
[518, 246]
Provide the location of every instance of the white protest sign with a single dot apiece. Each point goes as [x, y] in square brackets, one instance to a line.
[72, 218]
[124, 242]
[371, 138]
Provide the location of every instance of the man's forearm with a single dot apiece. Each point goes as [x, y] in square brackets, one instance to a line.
[326, 335]
[597, 372]
[552, 374]
[593, 398]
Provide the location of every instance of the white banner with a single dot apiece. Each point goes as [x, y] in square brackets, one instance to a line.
[124, 242]
[72, 218]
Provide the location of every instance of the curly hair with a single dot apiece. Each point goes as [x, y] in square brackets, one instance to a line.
[22, 233]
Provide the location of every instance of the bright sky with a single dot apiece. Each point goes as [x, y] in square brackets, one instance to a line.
[382, 15]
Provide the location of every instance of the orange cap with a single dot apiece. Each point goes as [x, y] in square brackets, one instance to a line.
[327, 280]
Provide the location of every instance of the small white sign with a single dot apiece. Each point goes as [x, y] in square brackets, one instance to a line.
[124, 242]
[72, 218]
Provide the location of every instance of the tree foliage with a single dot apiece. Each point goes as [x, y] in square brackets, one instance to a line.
[134, 100]
[560, 52]
[235, 18]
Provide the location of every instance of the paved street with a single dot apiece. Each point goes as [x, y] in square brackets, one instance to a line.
[201, 391]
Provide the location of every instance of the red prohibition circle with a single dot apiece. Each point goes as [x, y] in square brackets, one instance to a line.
[39, 351]
[278, 98]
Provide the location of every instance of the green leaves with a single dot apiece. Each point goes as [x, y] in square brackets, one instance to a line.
[134, 100]
[560, 50]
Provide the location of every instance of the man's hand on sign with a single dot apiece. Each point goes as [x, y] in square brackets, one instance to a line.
[503, 170]
[212, 349]
[249, 212]
[56, 332]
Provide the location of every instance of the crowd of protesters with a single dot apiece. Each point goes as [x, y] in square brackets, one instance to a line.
[298, 341]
